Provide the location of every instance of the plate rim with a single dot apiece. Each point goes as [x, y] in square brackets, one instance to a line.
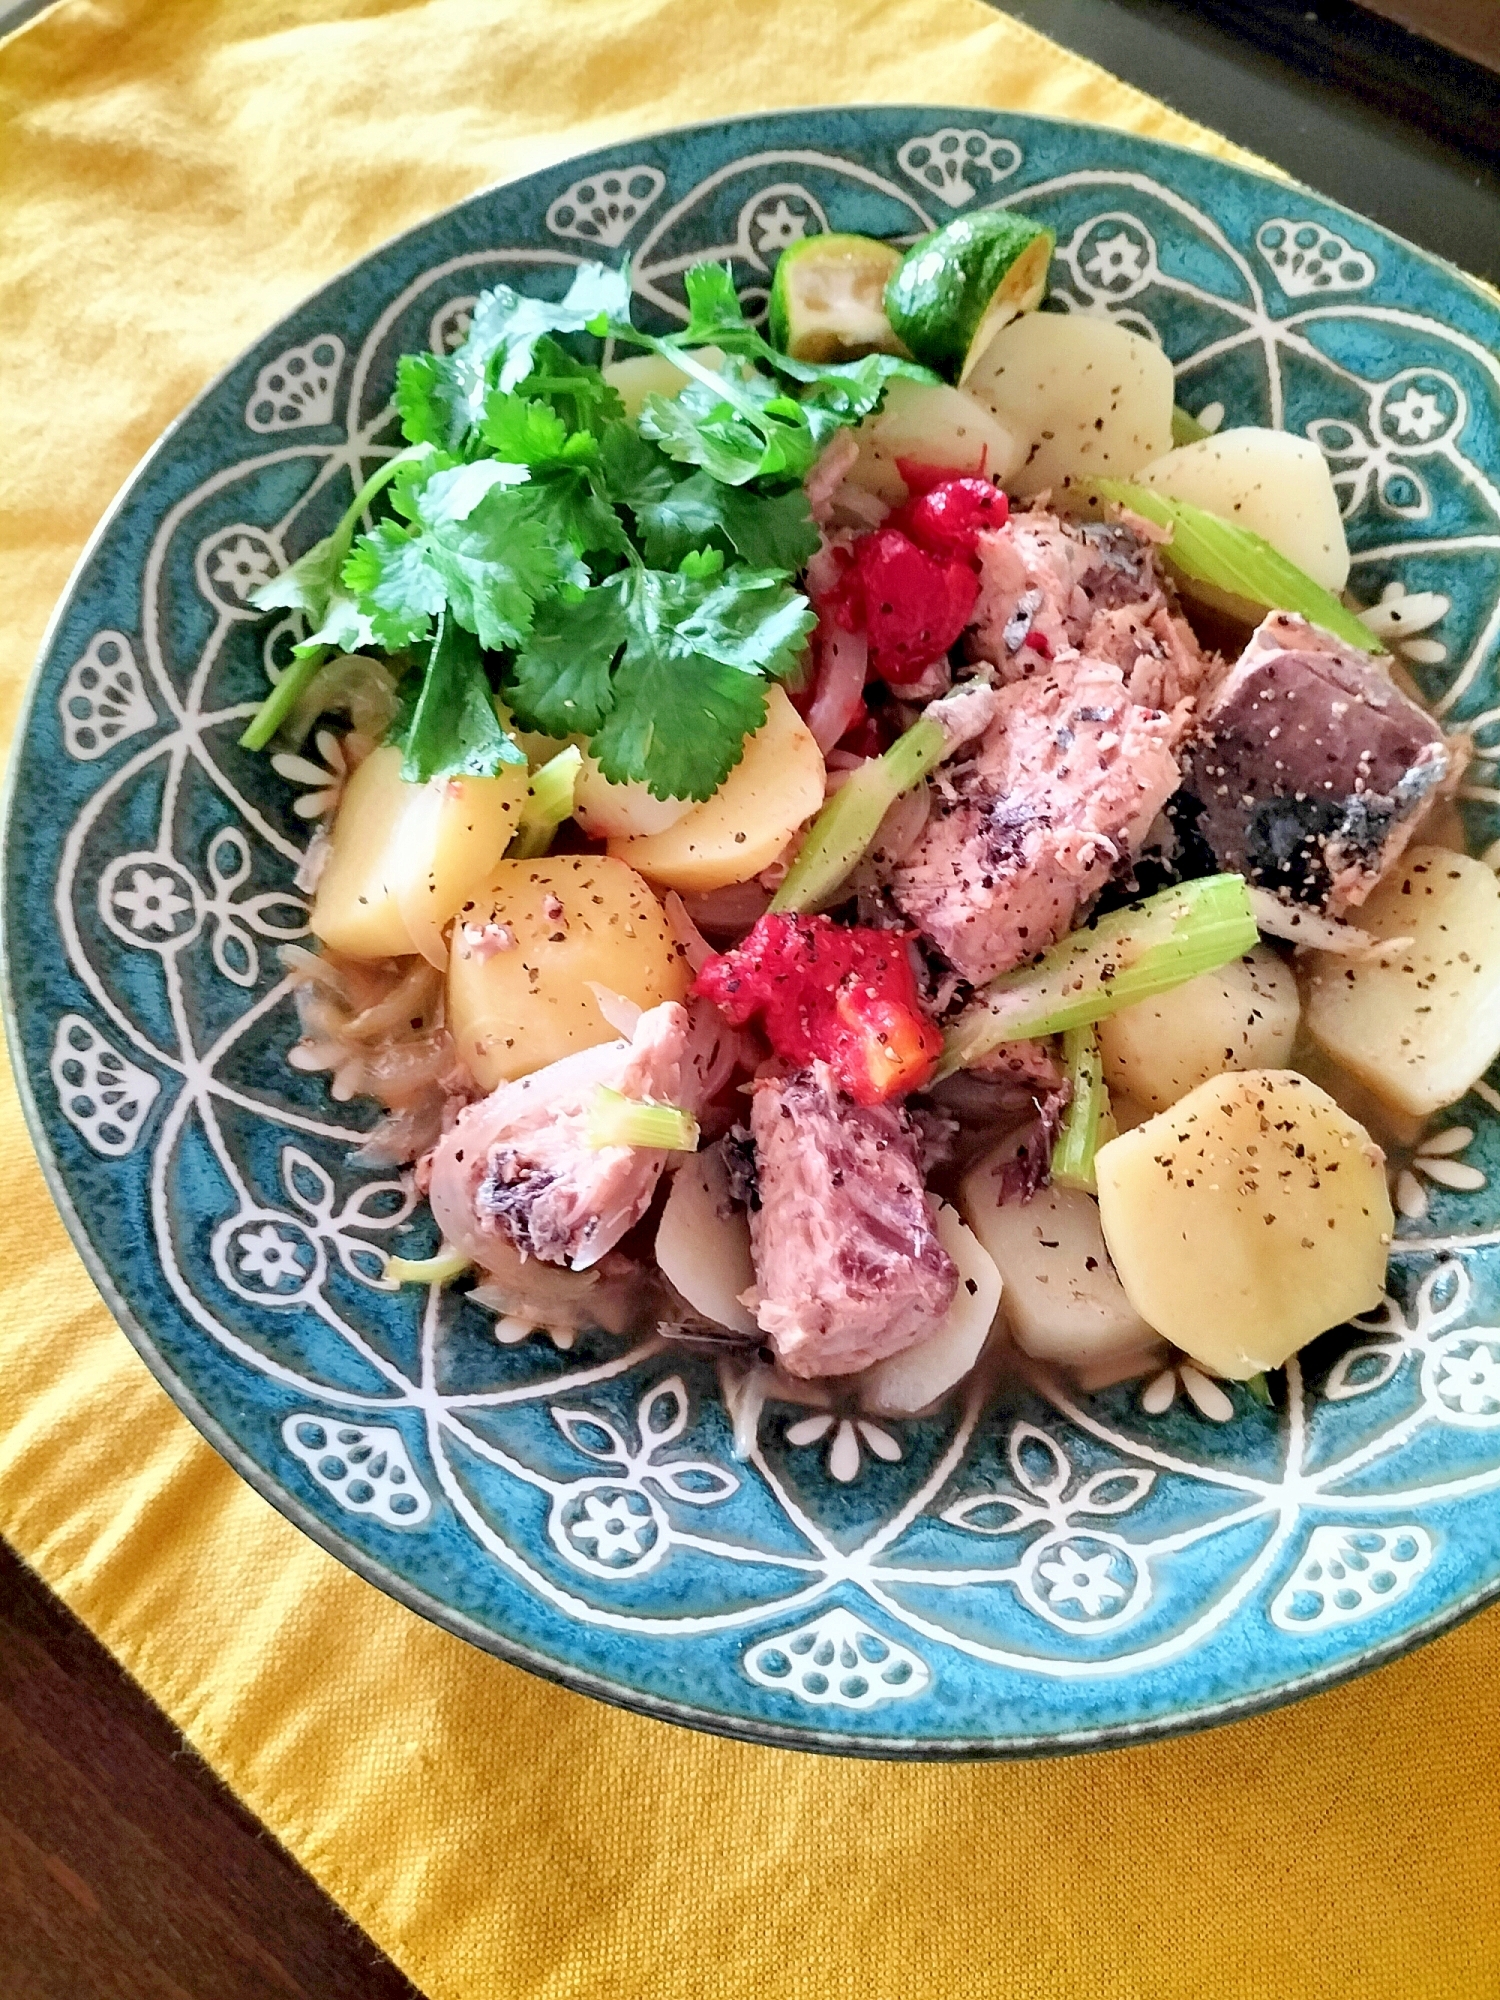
[765, 1734]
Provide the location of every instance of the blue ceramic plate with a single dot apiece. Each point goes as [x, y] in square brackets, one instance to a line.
[1025, 1570]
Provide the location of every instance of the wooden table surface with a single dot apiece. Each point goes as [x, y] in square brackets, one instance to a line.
[127, 1871]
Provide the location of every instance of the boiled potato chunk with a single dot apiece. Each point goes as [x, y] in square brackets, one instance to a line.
[405, 857]
[1092, 399]
[1063, 1301]
[607, 811]
[931, 1366]
[1277, 485]
[574, 918]
[1244, 1016]
[1248, 1218]
[776, 785]
[1420, 1025]
[703, 1243]
[935, 425]
[644, 375]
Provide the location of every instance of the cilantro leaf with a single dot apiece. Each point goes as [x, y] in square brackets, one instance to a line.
[568, 508]
[312, 583]
[664, 671]
[689, 515]
[852, 389]
[575, 389]
[679, 721]
[474, 545]
[308, 583]
[454, 730]
[752, 620]
[634, 472]
[770, 531]
[449, 494]
[715, 316]
[528, 431]
[560, 684]
[741, 424]
[738, 426]
[441, 397]
[494, 567]
[394, 588]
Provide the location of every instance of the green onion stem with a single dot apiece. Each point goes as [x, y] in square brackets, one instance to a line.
[1132, 954]
[549, 801]
[1073, 1154]
[284, 697]
[616, 1120]
[439, 1269]
[843, 830]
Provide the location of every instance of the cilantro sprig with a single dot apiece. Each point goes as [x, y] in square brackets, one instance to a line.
[631, 585]
[665, 672]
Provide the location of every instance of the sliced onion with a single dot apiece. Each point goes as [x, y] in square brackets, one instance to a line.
[843, 663]
[412, 889]
[696, 948]
[622, 1015]
[1294, 923]
[732, 909]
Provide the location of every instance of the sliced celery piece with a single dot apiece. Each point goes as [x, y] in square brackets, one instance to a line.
[1145, 948]
[549, 801]
[848, 823]
[1186, 428]
[440, 1269]
[1078, 1141]
[1210, 550]
[616, 1120]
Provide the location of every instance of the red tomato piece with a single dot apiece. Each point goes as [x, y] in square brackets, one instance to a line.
[948, 519]
[916, 604]
[840, 993]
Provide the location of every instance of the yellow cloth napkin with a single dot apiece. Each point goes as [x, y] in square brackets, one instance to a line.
[173, 176]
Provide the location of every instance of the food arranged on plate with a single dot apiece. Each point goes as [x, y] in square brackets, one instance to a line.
[876, 838]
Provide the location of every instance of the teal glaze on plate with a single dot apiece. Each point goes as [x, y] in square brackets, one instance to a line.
[1024, 1569]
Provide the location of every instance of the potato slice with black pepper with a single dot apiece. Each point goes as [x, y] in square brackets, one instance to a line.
[1250, 1217]
[1421, 1024]
[1243, 1016]
[529, 947]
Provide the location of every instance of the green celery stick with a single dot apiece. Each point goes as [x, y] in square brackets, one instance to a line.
[848, 823]
[549, 801]
[1145, 948]
[616, 1120]
[1073, 1154]
[1233, 559]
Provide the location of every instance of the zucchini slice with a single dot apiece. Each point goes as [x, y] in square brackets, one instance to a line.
[827, 299]
[954, 290]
